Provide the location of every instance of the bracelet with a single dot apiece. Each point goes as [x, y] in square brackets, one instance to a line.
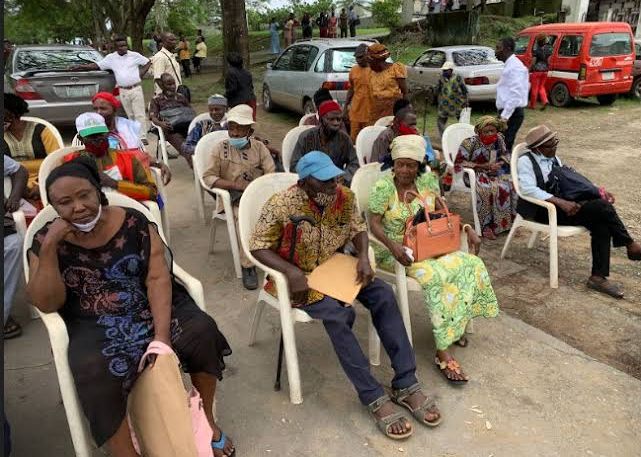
[465, 226]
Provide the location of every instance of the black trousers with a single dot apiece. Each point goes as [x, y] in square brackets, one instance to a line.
[513, 125]
[186, 64]
[343, 32]
[352, 30]
[605, 227]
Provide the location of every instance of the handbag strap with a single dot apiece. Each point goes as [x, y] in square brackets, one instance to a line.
[154, 348]
[169, 57]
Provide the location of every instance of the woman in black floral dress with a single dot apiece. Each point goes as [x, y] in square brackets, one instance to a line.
[107, 272]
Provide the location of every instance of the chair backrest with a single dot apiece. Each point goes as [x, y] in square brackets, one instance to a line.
[517, 152]
[254, 198]
[363, 183]
[305, 117]
[385, 121]
[49, 125]
[50, 162]
[203, 148]
[76, 141]
[201, 117]
[7, 186]
[453, 136]
[289, 143]
[365, 141]
[48, 213]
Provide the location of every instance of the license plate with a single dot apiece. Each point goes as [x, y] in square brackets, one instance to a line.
[83, 91]
[607, 76]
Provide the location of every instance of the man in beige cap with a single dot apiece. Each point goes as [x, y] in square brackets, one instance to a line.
[452, 96]
[597, 214]
[233, 164]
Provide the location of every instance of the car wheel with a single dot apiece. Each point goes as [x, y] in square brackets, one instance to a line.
[268, 104]
[606, 100]
[560, 95]
[636, 88]
[308, 106]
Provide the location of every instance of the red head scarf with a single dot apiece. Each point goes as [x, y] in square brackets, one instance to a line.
[108, 97]
[328, 106]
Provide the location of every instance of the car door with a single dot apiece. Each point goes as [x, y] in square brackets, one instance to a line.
[310, 81]
[278, 76]
[432, 71]
[415, 71]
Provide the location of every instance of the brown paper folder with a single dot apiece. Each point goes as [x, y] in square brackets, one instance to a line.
[336, 277]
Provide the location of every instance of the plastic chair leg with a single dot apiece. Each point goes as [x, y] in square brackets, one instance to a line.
[291, 360]
[253, 326]
[233, 242]
[510, 235]
[470, 327]
[374, 345]
[403, 299]
[212, 234]
[532, 240]
[200, 200]
[554, 260]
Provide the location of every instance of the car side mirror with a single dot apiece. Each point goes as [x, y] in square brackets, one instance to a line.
[269, 66]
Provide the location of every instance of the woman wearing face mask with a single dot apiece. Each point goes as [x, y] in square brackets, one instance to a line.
[456, 286]
[487, 155]
[108, 273]
[119, 170]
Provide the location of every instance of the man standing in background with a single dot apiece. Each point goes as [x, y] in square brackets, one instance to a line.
[342, 22]
[353, 21]
[165, 62]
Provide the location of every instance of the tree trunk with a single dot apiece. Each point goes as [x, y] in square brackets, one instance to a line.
[235, 35]
[138, 12]
[407, 12]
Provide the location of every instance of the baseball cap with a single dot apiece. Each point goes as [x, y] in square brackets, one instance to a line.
[318, 165]
[90, 124]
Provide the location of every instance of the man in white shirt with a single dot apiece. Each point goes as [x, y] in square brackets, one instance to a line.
[128, 68]
[512, 90]
[165, 61]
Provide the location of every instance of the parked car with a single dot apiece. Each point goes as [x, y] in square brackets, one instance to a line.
[636, 71]
[588, 59]
[39, 74]
[478, 66]
[305, 67]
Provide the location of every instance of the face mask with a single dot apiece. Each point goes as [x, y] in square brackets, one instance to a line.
[98, 149]
[238, 143]
[404, 129]
[89, 226]
[325, 200]
[489, 139]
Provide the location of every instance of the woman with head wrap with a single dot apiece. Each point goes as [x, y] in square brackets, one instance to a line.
[486, 153]
[106, 270]
[358, 102]
[456, 286]
[387, 82]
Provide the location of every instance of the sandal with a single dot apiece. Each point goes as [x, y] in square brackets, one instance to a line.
[462, 342]
[384, 423]
[12, 329]
[220, 444]
[605, 287]
[451, 365]
[400, 395]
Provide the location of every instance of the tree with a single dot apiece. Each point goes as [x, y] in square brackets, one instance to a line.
[385, 12]
[235, 35]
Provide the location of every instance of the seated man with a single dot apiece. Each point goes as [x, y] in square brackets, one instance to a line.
[320, 96]
[337, 222]
[597, 215]
[172, 112]
[329, 138]
[233, 164]
[12, 241]
[119, 170]
[217, 105]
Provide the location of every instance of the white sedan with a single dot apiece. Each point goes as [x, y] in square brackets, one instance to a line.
[477, 65]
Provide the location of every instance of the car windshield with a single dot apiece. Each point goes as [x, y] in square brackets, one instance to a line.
[471, 57]
[610, 44]
[54, 59]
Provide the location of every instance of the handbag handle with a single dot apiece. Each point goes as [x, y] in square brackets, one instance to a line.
[422, 202]
[155, 348]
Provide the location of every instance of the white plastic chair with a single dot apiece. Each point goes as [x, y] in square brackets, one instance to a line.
[76, 143]
[201, 117]
[553, 230]
[289, 143]
[305, 117]
[385, 121]
[162, 144]
[365, 142]
[55, 159]
[453, 136]
[251, 204]
[223, 210]
[48, 125]
[57, 329]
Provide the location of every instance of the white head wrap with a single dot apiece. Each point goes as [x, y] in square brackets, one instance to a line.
[409, 147]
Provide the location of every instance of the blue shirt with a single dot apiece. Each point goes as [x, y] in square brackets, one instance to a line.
[527, 178]
[201, 129]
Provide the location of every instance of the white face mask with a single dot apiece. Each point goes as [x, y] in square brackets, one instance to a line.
[89, 226]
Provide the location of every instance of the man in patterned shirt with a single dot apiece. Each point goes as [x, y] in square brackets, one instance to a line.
[337, 221]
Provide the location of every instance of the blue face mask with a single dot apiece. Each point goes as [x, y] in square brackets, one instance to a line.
[238, 143]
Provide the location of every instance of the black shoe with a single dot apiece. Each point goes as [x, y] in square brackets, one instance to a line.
[250, 278]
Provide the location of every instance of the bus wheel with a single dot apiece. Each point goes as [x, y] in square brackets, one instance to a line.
[560, 95]
[606, 100]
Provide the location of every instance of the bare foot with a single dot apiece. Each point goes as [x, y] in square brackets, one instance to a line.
[489, 234]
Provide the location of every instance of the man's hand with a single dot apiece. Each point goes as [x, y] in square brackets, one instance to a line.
[164, 125]
[364, 273]
[241, 185]
[609, 197]
[108, 181]
[11, 204]
[165, 173]
[568, 207]
[298, 287]
[473, 241]
[399, 254]
[58, 230]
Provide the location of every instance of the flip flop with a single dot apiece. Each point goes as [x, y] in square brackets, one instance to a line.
[606, 287]
[451, 365]
[12, 329]
[220, 444]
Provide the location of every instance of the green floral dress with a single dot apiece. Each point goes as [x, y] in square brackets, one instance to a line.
[456, 286]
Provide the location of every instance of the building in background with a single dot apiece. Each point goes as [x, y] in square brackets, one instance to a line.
[605, 10]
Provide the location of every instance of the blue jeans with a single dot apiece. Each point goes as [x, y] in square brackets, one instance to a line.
[338, 320]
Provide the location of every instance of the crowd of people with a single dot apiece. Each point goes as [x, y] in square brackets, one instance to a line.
[104, 267]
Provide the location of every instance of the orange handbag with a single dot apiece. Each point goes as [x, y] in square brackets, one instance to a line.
[434, 237]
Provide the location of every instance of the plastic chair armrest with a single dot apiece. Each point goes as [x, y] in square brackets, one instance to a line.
[57, 330]
[194, 287]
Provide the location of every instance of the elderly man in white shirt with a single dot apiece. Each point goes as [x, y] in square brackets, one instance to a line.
[128, 68]
[512, 90]
[165, 61]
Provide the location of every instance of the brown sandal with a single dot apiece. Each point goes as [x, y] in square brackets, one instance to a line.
[450, 365]
[606, 287]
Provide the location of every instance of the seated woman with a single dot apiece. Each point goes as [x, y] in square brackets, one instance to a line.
[120, 171]
[108, 273]
[487, 155]
[26, 142]
[124, 133]
[456, 286]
